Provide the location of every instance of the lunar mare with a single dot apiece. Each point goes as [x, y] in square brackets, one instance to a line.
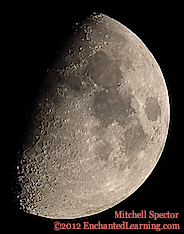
[98, 125]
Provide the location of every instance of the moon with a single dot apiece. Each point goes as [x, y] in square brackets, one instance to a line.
[98, 125]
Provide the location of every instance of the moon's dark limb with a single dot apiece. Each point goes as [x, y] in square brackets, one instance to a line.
[97, 127]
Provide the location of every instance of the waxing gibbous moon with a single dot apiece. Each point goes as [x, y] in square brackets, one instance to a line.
[98, 125]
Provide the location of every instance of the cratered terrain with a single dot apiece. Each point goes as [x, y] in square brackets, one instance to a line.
[97, 127]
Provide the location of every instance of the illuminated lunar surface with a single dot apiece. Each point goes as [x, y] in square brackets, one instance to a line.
[98, 125]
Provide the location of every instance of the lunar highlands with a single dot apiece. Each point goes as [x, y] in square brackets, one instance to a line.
[97, 127]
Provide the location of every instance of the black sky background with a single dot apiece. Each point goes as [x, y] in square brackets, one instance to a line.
[33, 34]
